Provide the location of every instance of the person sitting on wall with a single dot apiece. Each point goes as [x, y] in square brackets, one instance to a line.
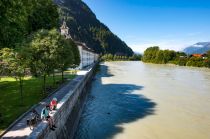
[45, 116]
[53, 104]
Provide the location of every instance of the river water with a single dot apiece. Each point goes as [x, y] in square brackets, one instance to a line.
[133, 100]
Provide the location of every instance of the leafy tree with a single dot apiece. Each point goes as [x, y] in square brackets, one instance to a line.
[169, 55]
[160, 59]
[21, 17]
[13, 22]
[136, 57]
[75, 52]
[65, 55]
[43, 16]
[150, 54]
[43, 53]
[14, 65]
[195, 62]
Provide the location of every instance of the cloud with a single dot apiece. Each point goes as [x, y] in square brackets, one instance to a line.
[163, 44]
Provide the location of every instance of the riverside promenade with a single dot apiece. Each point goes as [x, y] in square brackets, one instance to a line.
[20, 130]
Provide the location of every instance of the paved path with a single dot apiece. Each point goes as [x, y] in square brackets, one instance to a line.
[20, 130]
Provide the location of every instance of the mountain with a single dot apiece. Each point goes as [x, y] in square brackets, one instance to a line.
[198, 48]
[85, 27]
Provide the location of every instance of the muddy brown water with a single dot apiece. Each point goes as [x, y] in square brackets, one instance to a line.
[133, 100]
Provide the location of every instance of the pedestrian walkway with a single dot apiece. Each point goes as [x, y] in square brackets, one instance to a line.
[20, 130]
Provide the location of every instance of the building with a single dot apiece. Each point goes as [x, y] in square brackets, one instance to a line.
[204, 56]
[87, 55]
[65, 30]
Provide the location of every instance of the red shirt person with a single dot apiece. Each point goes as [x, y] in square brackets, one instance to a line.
[53, 104]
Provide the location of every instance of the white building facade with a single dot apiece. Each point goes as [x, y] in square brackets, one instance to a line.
[87, 55]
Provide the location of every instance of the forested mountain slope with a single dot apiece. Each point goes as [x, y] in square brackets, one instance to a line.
[85, 27]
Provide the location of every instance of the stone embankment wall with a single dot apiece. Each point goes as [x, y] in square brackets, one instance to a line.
[69, 110]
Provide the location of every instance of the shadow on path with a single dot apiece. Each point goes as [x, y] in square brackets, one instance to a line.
[109, 106]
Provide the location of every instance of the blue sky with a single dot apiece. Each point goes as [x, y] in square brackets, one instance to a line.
[171, 24]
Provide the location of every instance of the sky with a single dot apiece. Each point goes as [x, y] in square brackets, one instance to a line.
[169, 24]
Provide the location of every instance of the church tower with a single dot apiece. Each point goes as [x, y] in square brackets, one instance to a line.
[65, 30]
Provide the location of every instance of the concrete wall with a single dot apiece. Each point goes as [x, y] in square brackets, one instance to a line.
[69, 110]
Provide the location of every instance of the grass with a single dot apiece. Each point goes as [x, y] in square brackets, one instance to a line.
[10, 104]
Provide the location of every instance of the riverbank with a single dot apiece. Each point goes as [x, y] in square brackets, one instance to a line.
[174, 65]
[157, 56]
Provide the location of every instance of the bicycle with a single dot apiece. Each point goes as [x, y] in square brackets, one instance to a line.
[34, 120]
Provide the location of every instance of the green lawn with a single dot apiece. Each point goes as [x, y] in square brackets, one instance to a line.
[10, 106]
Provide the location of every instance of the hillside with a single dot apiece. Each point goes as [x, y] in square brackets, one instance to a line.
[85, 27]
[198, 48]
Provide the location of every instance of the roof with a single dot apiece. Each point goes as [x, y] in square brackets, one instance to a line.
[84, 46]
[198, 55]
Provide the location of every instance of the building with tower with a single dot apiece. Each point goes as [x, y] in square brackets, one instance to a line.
[87, 55]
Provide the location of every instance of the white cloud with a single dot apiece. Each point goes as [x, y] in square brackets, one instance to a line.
[163, 44]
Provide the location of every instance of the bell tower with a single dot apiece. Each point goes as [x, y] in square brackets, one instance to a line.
[65, 30]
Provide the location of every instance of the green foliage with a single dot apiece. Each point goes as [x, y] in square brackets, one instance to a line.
[84, 27]
[110, 57]
[181, 61]
[44, 15]
[13, 62]
[65, 56]
[19, 18]
[42, 48]
[150, 54]
[13, 22]
[13, 65]
[195, 62]
[75, 52]
[155, 55]
[135, 57]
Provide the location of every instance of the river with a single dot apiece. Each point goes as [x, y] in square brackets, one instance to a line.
[133, 100]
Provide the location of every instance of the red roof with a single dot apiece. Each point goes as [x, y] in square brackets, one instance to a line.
[197, 55]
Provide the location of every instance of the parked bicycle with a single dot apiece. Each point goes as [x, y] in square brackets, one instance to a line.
[34, 120]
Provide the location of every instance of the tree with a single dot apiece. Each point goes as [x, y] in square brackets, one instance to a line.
[169, 55]
[13, 65]
[43, 16]
[208, 54]
[195, 62]
[19, 18]
[75, 52]
[13, 22]
[160, 59]
[150, 54]
[65, 56]
[43, 47]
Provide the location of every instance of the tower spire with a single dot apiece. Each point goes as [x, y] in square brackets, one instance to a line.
[65, 30]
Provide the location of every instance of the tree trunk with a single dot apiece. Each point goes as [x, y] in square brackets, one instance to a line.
[44, 85]
[53, 78]
[21, 90]
[62, 77]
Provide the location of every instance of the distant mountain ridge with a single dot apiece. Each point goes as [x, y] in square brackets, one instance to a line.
[85, 27]
[198, 48]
